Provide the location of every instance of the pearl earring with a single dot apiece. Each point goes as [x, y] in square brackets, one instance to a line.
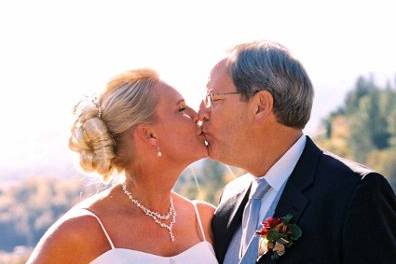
[159, 153]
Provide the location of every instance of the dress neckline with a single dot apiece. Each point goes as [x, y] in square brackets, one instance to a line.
[134, 251]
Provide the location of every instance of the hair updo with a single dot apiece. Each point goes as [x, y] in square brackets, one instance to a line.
[127, 101]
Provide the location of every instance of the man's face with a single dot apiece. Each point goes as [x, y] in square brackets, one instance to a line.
[225, 117]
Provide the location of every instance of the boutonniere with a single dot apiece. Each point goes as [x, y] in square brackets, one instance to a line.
[277, 234]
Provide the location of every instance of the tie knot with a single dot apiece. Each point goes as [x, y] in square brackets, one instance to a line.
[262, 188]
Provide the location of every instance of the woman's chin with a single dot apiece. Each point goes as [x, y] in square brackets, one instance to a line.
[201, 152]
[205, 153]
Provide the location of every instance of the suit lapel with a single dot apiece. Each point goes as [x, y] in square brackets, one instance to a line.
[235, 219]
[231, 212]
[293, 200]
[237, 211]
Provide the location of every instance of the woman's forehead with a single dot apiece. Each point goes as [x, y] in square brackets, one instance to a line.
[168, 94]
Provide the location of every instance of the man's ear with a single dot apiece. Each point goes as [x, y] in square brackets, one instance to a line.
[146, 134]
[263, 105]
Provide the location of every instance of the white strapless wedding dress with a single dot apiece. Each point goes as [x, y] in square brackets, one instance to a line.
[200, 253]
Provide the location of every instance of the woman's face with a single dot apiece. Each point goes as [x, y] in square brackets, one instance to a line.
[179, 137]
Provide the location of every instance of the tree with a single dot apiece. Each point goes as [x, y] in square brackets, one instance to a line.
[364, 128]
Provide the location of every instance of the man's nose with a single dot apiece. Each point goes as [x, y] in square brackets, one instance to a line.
[204, 112]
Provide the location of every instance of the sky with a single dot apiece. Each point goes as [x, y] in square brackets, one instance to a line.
[52, 53]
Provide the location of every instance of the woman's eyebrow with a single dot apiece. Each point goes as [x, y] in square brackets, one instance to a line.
[180, 101]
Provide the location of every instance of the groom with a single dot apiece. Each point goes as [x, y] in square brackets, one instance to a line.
[258, 101]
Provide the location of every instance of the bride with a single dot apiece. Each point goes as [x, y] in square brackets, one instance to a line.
[142, 127]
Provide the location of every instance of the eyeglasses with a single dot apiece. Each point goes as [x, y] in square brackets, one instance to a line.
[212, 97]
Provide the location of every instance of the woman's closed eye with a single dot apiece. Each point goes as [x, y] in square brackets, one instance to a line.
[188, 112]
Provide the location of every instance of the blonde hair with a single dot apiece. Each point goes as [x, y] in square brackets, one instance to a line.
[127, 101]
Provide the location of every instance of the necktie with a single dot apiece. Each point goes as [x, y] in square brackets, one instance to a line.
[252, 214]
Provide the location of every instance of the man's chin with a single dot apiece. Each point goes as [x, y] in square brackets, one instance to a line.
[222, 157]
[213, 151]
[205, 153]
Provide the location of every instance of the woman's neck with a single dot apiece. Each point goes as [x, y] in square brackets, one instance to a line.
[152, 187]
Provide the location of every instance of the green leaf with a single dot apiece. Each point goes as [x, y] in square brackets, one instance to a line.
[273, 235]
[287, 218]
[296, 231]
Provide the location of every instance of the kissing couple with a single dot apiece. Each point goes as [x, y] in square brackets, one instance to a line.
[296, 204]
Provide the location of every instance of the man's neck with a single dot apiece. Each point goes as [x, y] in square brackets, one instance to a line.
[266, 153]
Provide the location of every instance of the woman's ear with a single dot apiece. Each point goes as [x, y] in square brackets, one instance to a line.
[263, 105]
[146, 134]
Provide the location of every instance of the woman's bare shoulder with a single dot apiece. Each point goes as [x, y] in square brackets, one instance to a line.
[75, 238]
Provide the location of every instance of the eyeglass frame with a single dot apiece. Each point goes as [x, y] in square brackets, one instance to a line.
[209, 95]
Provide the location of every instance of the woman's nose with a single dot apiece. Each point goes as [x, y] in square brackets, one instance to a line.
[192, 114]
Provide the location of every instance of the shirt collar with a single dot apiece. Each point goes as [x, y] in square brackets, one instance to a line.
[280, 172]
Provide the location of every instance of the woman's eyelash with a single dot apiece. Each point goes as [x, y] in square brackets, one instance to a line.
[182, 109]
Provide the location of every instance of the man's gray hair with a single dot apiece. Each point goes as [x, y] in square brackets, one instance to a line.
[269, 66]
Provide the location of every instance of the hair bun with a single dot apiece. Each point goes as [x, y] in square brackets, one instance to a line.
[92, 140]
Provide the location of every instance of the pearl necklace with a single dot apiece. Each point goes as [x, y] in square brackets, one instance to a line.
[156, 216]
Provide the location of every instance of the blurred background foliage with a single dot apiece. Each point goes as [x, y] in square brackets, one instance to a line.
[362, 129]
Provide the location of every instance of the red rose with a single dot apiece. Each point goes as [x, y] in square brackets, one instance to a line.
[271, 222]
[268, 224]
[277, 234]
